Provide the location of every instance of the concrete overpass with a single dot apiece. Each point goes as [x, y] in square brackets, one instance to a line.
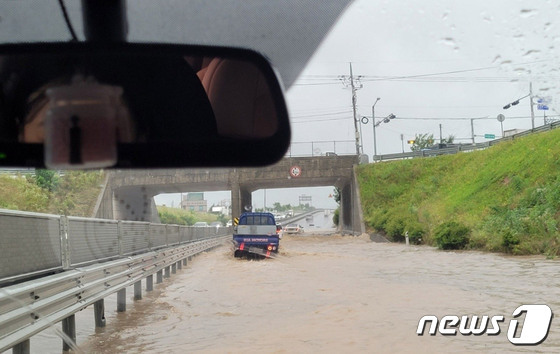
[128, 194]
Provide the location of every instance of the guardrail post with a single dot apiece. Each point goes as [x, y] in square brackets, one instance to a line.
[120, 237]
[121, 300]
[185, 261]
[64, 244]
[69, 328]
[167, 272]
[150, 283]
[149, 236]
[174, 268]
[180, 265]
[22, 347]
[138, 290]
[99, 313]
[159, 277]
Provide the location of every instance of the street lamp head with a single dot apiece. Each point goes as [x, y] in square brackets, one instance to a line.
[507, 106]
[378, 98]
[515, 103]
[392, 116]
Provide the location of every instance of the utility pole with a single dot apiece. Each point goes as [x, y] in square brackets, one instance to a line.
[354, 110]
[440, 136]
[472, 130]
[355, 85]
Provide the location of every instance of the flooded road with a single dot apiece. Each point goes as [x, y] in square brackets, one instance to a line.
[323, 293]
[332, 294]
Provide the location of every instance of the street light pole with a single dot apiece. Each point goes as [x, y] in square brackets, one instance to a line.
[531, 102]
[373, 124]
[516, 102]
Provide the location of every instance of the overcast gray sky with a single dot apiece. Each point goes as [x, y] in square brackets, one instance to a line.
[430, 62]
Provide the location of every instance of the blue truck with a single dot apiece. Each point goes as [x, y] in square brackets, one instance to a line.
[256, 234]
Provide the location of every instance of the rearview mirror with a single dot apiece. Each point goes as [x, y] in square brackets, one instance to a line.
[98, 105]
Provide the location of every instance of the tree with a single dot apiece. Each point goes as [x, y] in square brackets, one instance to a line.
[336, 195]
[449, 140]
[424, 141]
[47, 179]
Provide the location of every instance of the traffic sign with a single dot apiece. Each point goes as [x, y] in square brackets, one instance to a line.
[489, 136]
[295, 171]
[542, 107]
[501, 118]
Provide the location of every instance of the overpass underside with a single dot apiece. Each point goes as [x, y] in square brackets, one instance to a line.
[128, 195]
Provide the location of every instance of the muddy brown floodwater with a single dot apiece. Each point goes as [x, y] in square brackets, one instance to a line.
[330, 294]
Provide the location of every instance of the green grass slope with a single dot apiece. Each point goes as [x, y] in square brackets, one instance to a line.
[74, 193]
[507, 195]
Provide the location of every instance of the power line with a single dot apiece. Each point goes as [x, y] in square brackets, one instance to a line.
[321, 114]
[425, 118]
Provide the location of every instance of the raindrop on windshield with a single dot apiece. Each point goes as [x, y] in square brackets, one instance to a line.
[525, 13]
[531, 52]
[448, 41]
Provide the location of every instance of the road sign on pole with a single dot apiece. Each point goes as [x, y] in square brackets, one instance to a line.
[489, 136]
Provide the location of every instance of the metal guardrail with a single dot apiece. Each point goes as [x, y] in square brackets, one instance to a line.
[297, 217]
[33, 244]
[13, 171]
[458, 148]
[321, 148]
[30, 307]
[52, 266]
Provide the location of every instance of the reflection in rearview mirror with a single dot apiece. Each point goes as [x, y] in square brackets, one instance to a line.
[93, 108]
[239, 96]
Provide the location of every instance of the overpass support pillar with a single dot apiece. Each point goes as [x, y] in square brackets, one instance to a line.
[345, 219]
[351, 216]
[134, 203]
[240, 198]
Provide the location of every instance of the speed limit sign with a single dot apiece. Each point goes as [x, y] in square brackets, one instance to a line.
[295, 171]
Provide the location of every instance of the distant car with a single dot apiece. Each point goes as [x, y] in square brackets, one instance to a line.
[216, 224]
[293, 229]
[201, 224]
[229, 223]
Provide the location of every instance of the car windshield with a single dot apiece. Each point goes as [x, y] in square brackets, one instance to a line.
[421, 187]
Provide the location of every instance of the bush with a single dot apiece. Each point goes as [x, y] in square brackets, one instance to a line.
[336, 217]
[395, 229]
[452, 235]
[378, 219]
[510, 241]
[47, 179]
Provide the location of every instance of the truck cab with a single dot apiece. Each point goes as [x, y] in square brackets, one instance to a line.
[256, 234]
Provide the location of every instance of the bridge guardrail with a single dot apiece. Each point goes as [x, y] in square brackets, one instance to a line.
[469, 147]
[33, 244]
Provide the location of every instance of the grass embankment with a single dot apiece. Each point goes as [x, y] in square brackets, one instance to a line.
[507, 195]
[75, 193]
[179, 216]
